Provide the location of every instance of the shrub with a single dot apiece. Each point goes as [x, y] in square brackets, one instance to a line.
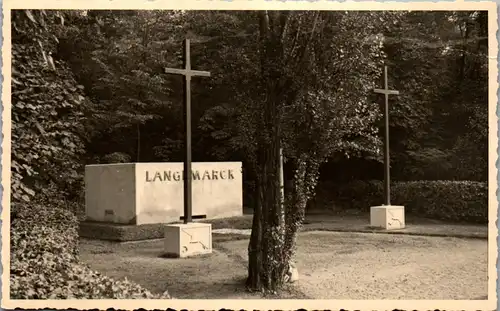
[445, 200]
[116, 157]
[359, 194]
[44, 260]
[48, 109]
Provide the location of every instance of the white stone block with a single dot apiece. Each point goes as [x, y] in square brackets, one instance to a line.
[152, 193]
[389, 217]
[185, 240]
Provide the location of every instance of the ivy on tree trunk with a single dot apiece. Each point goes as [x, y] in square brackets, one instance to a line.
[275, 225]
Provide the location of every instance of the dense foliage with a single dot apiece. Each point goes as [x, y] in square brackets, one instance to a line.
[48, 122]
[44, 260]
[47, 110]
[461, 201]
[441, 67]
[89, 87]
[437, 60]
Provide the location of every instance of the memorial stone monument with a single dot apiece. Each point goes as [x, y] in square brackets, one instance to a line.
[152, 193]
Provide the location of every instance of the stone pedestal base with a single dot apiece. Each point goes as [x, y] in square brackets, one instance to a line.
[185, 240]
[388, 217]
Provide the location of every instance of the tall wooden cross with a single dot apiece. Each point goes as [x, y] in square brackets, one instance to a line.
[188, 73]
[387, 177]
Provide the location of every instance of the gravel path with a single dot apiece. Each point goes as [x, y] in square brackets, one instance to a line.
[382, 266]
[332, 265]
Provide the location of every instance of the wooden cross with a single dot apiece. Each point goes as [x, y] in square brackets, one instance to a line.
[188, 73]
[387, 178]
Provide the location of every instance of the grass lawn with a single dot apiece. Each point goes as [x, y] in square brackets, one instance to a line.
[219, 275]
[355, 222]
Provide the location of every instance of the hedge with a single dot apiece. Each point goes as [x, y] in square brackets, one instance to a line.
[457, 201]
[45, 264]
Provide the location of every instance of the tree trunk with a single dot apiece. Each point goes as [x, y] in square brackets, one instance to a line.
[274, 233]
[266, 268]
[266, 251]
[254, 247]
[275, 225]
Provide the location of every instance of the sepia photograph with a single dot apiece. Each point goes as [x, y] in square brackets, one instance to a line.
[273, 154]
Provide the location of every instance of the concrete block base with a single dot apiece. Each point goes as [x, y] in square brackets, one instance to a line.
[186, 240]
[121, 233]
[388, 217]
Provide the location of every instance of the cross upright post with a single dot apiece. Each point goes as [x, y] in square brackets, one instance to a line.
[387, 178]
[188, 73]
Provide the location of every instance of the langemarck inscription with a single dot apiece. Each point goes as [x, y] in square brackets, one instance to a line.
[178, 175]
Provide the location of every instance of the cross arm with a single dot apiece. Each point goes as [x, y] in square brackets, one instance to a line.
[200, 73]
[382, 91]
[176, 71]
[187, 72]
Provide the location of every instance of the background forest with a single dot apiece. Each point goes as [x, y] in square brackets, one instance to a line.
[89, 87]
